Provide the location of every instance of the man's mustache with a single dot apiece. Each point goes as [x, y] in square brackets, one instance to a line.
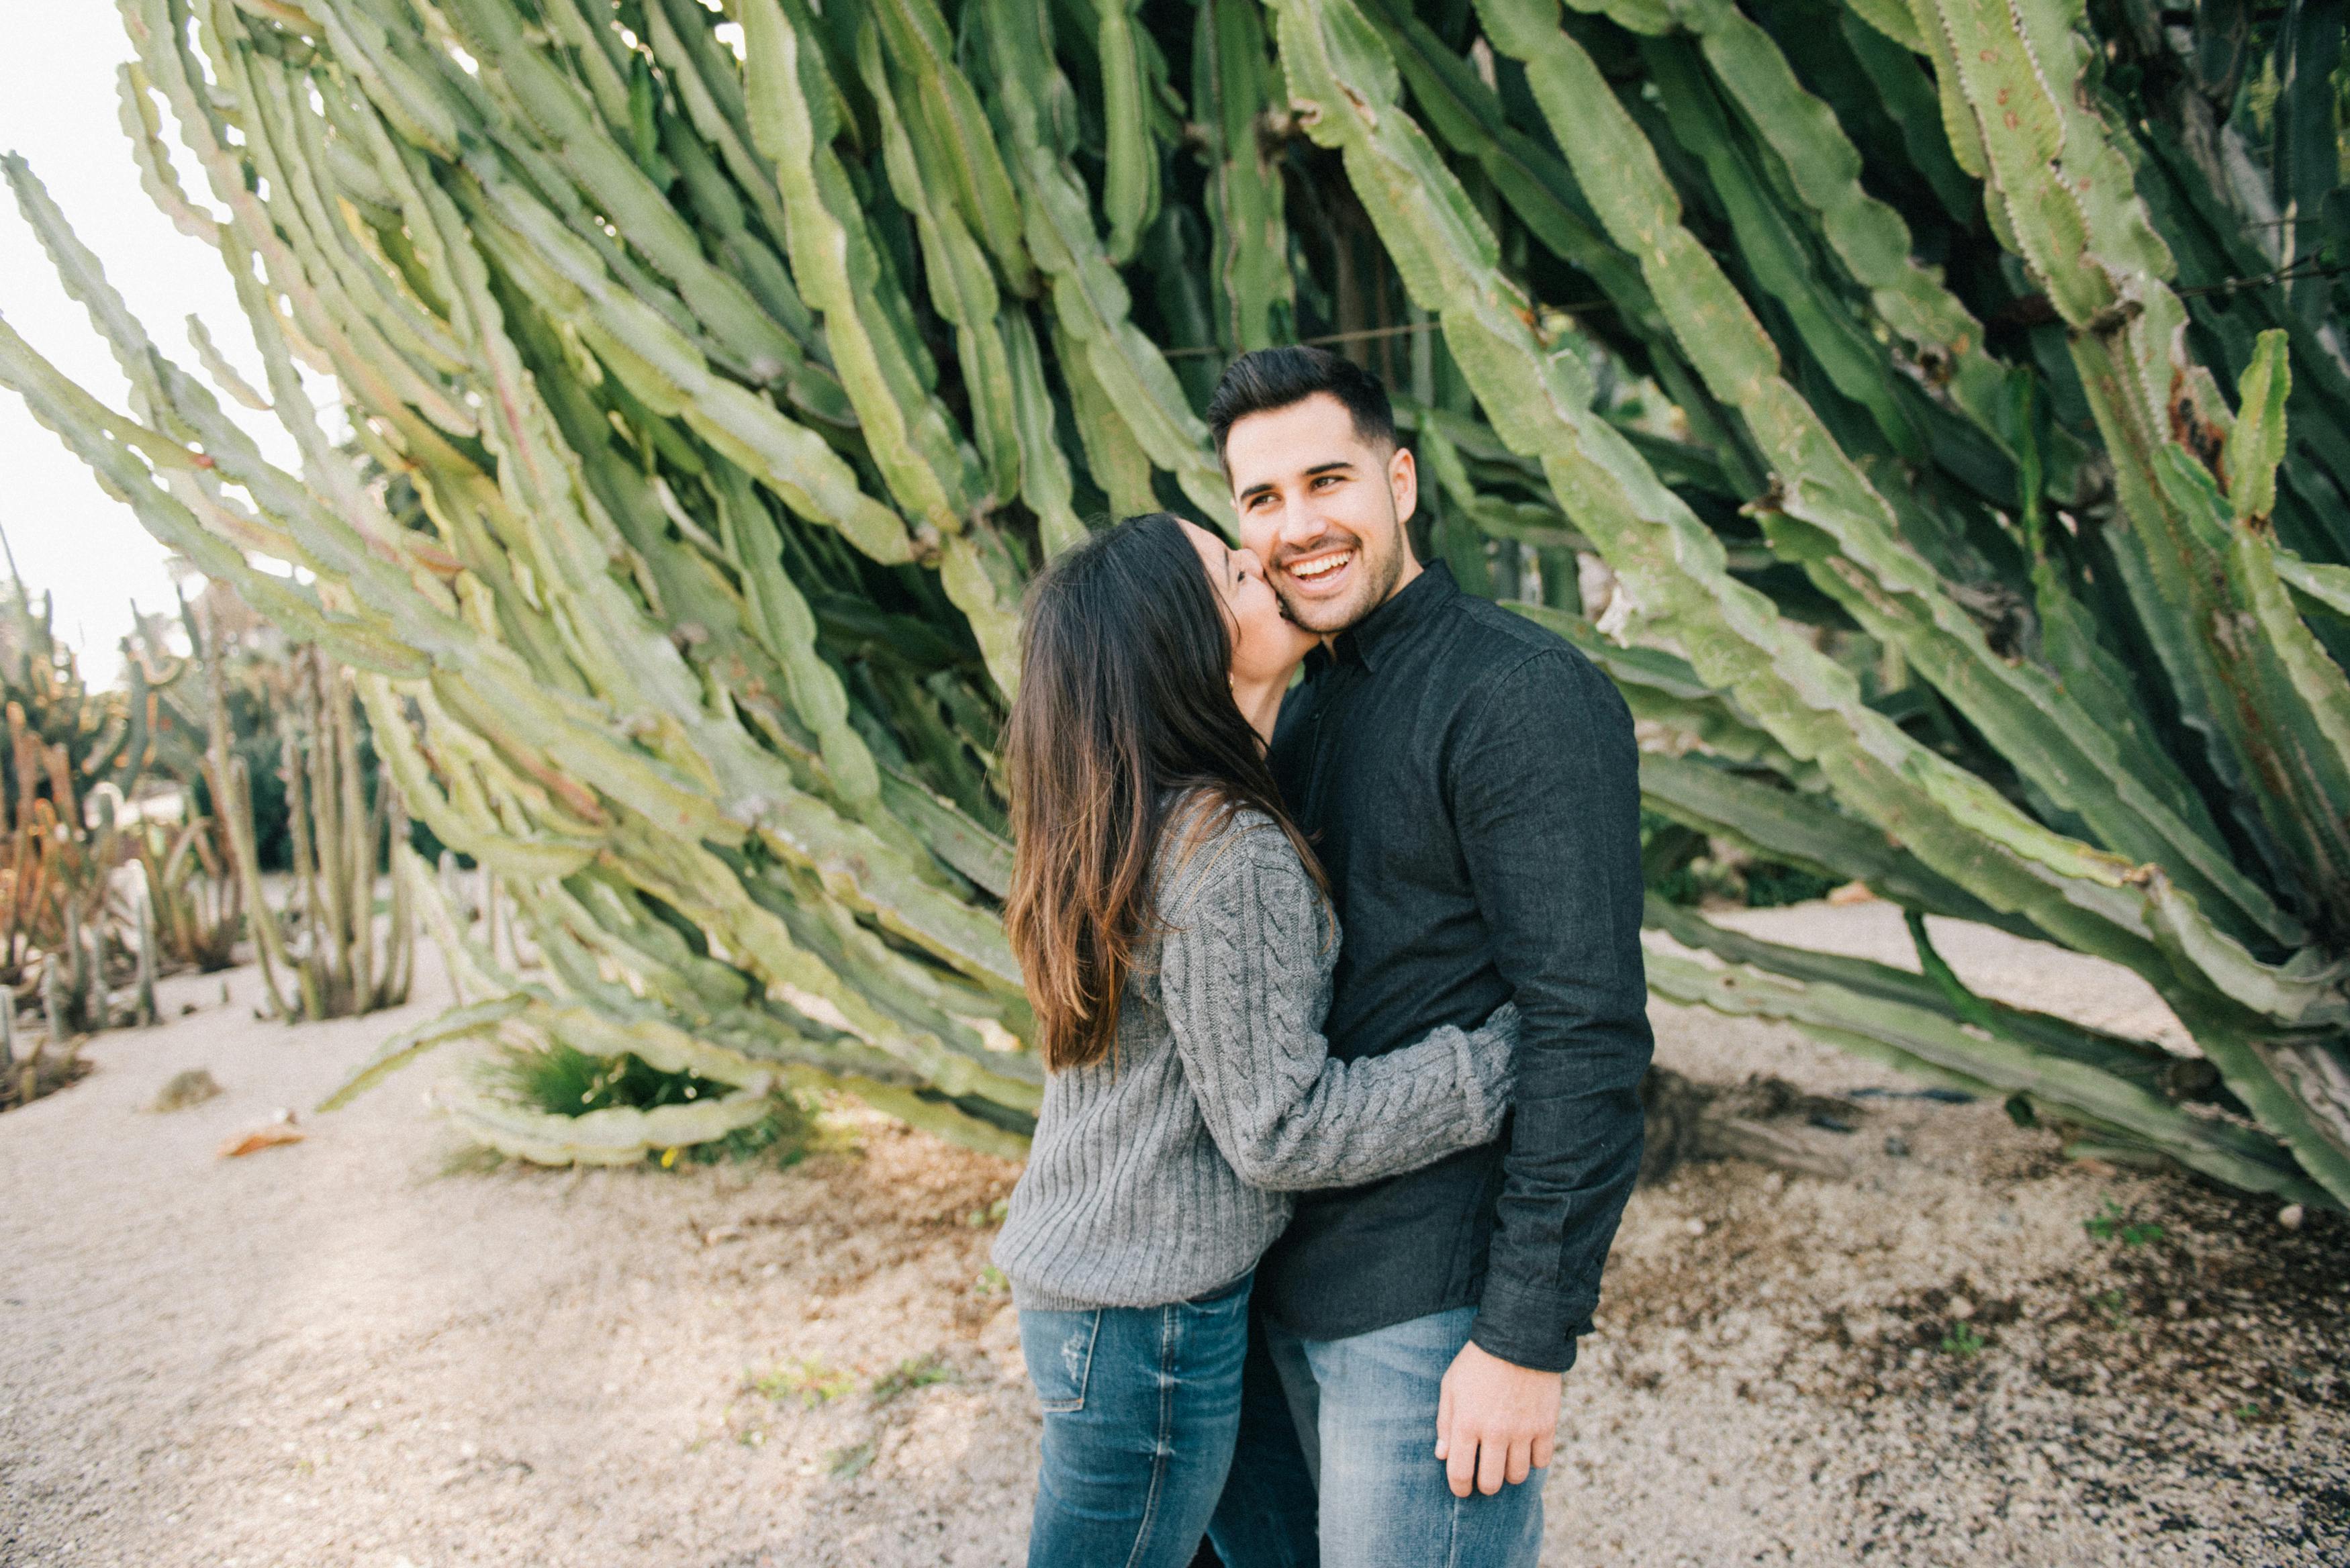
[1281, 558]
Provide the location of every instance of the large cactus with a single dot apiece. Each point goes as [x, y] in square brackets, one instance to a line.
[721, 376]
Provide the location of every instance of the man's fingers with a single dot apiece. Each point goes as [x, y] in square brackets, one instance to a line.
[1443, 1416]
[1492, 1461]
[1460, 1461]
[1521, 1461]
[1542, 1450]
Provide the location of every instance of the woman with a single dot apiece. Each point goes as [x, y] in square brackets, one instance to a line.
[1177, 944]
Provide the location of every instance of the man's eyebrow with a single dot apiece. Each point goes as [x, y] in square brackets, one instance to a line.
[1336, 465]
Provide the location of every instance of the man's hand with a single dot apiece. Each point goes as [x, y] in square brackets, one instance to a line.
[1494, 1421]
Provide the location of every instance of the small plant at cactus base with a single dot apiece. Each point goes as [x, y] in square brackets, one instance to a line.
[561, 1080]
[2112, 1222]
[992, 1281]
[1963, 1341]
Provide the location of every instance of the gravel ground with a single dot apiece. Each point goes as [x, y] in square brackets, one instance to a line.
[346, 1350]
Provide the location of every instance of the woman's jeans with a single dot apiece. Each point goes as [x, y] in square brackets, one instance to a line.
[1141, 1407]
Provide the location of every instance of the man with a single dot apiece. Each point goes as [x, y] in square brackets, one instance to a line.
[1471, 784]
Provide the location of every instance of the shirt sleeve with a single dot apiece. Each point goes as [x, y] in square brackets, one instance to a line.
[1544, 777]
[1241, 970]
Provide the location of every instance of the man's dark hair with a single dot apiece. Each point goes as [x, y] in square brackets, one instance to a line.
[1267, 378]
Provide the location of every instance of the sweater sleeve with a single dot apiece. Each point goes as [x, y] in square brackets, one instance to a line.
[1240, 979]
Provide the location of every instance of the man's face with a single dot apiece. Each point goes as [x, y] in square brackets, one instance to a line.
[1323, 509]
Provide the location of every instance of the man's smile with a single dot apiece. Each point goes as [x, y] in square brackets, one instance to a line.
[1321, 572]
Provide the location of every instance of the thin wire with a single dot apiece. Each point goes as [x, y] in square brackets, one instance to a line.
[1326, 338]
[1369, 332]
[2293, 273]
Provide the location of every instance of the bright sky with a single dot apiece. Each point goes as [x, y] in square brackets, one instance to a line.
[57, 107]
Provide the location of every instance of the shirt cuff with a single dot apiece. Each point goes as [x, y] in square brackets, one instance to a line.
[1521, 1326]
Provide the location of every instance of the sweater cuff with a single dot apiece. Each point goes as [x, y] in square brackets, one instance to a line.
[1523, 1326]
[1489, 1099]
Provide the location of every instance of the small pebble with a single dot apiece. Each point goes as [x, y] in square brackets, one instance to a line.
[1693, 1225]
[2291, 1216]
[2177, 1308]
[1897, 1146]
[1961, 1309]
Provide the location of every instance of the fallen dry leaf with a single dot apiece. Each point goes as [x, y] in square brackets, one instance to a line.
[1851, 893]
[260, 1138]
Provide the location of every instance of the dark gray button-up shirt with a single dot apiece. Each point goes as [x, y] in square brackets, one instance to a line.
[1471, 784]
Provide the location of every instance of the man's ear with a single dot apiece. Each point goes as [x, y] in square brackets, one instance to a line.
[1403, 482]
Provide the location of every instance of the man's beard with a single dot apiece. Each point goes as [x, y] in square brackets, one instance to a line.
[1379, 585]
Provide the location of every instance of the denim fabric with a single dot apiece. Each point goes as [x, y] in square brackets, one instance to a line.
[1265, 1518]
[1471, 784]
[1141, 1406]
[1365, 1407]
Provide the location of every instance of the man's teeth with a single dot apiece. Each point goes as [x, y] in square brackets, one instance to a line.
[1310, 570]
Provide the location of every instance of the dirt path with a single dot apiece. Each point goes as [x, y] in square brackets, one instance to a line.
[333, 1353]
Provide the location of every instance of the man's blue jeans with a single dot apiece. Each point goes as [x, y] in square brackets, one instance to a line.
[1141, 1407]
[1366, 1412]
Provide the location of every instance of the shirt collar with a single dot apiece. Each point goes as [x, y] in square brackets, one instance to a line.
[1361, 643]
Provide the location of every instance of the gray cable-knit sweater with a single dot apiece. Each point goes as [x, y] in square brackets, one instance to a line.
[1162, 1171]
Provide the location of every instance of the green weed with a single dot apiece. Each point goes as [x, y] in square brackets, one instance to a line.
[807, 1380]
[2113, 1222]
[914, 1372]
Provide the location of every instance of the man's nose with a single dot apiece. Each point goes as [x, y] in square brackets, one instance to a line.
[1300, 528]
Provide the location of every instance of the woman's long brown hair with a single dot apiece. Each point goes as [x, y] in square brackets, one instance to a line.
[1125, 704]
